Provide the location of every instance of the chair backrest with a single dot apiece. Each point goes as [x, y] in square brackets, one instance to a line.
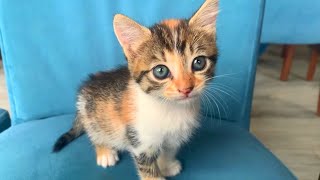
[291, 22]
[50, 46]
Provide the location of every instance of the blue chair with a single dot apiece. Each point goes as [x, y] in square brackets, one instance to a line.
[49, 47]
[292, 22]
[5, 122]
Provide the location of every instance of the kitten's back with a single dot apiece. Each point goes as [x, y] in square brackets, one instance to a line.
[105, 104]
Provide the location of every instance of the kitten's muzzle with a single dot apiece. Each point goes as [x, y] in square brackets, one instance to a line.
[186, 91]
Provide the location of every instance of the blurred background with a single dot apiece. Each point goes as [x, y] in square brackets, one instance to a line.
[284, 114]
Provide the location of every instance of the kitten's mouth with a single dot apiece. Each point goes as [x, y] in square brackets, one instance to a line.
[187, 98]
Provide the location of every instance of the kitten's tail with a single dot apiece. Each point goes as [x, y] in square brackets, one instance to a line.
[76, 131]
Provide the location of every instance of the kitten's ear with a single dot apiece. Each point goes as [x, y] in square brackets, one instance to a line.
[130, 34]
[206, 17]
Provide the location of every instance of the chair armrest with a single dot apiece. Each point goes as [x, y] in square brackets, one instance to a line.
[5, 121]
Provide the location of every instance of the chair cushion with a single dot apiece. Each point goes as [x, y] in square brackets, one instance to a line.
[223, 152]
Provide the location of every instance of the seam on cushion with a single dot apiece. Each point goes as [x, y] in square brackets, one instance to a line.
[253, 68]
[8, 77]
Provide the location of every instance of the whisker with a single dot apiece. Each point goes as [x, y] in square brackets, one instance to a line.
[224, 91]
[217, 108]
[223, 104]
[229, 90]
[225, 75]
[225, 86]
[219, 103]
[208, 104]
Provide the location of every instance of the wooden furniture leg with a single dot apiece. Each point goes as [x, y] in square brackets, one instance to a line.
[287, 62]
[313, 64]
[318, 109]
[284, 51]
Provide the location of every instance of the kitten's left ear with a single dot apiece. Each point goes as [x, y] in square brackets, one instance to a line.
[206, 17]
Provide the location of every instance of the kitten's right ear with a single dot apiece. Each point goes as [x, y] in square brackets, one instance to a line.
[130, 34]
[205, 18]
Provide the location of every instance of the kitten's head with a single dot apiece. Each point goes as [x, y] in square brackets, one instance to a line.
[174, 59]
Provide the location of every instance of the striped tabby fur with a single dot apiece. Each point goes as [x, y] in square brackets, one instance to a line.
[131, 109]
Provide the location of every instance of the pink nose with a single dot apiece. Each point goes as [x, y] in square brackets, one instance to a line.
[186, 91]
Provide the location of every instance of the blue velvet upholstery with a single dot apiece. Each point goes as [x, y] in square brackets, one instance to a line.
[222, 152]
[50, 46]
[291, 22]
[4, 120]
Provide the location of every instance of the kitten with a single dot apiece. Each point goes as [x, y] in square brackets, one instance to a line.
[152, 106]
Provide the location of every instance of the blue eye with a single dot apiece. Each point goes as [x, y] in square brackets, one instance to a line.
[199, 63]
[161, 72]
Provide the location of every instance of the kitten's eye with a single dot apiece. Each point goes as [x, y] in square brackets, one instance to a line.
[161, 72]
[199, 63]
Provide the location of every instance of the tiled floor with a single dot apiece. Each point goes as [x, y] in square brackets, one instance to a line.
[283, 115]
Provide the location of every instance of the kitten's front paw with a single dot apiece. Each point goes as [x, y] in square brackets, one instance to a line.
[153, 179]
[107, 159]
[171, 168]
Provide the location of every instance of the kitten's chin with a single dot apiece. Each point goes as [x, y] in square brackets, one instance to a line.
[187, 100]
[181, 100]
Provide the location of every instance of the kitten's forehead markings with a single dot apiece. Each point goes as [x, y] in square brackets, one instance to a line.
[171, 23]
[175, 61]
[175, 39]
[187, 52]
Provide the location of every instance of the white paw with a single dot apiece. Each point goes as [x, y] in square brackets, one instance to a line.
[161, 179]
[172, 168]
[153, 178]
[107, 160]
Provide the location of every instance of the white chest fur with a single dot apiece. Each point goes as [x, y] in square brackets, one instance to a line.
[157, 121]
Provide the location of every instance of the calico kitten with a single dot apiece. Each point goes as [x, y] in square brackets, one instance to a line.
[150, 107]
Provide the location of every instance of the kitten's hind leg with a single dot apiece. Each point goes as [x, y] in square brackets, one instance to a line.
[147, 166]
[106, 157]
[168, 164]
